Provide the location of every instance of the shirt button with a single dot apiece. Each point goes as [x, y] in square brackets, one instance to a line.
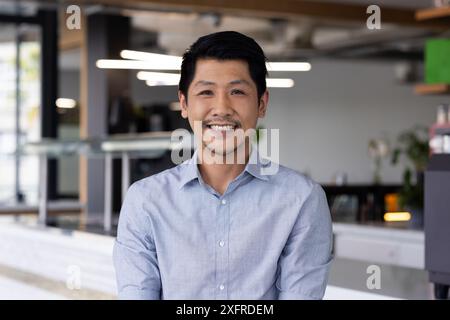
[224, 201]
[221, 243]
[221, 287]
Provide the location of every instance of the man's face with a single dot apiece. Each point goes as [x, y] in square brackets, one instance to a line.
[223, 97]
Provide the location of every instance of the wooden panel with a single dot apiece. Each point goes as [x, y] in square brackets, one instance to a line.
[277, 9]
[83, 194]
[434, 13]
[432, 88]
[69, 39]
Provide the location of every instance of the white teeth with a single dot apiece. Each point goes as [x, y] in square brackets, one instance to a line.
[222, 128]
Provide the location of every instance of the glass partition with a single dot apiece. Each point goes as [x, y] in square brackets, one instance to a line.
[19, 110]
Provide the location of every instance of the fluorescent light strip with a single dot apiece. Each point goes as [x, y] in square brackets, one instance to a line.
[156, 61]
[148, 56]
[65, 103]
[146, 75]
[157, 64]
[279, 83]
[288, 66]
[135, 64]
[155, 83]
[397, 216]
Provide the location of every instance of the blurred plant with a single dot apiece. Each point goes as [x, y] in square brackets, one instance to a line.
[413, 144]
[29, 67]
[259, 132]
[378, 149]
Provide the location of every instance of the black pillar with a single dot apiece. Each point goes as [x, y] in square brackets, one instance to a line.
[107, 35]
[49, 88]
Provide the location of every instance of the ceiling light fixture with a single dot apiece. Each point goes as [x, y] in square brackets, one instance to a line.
[135, 64]
[65, 103]
[397, 216]
[156, 61]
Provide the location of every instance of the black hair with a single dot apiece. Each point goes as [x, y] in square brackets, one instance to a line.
[225, 45]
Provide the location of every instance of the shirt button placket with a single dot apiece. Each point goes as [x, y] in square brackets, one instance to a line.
[222, 252]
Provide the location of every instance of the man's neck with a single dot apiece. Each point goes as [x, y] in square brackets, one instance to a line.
[220, 175]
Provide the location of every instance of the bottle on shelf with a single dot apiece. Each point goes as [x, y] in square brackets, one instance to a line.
[436, 144]
[446, 144]
[441, 3]
[439, 141]
[442, 114]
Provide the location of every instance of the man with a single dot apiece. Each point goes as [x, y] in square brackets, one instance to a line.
[211, 229]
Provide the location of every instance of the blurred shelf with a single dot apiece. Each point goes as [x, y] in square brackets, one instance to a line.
[441, 13]
[443, 131]
[379, 244]
[149, 144]
[438, 88]
[57, 207]
[440, 129]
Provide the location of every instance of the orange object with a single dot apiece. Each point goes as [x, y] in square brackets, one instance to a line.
[391, 202]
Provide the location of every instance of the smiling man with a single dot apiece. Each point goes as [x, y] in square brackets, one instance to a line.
[215, 228]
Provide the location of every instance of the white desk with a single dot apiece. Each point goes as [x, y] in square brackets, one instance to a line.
[383, 245]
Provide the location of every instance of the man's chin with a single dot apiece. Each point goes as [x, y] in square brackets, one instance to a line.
[221, 149]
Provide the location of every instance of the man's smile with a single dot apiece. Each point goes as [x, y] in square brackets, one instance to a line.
[221, 128]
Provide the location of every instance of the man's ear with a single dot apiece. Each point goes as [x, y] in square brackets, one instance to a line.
[263, 101]
[183, 104]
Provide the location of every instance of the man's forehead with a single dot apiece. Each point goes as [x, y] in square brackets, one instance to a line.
[232, 72]
[228, 66]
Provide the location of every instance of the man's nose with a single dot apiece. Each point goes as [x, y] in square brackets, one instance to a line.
[222, 106]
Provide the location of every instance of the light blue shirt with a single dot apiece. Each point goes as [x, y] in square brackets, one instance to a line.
[266, 237]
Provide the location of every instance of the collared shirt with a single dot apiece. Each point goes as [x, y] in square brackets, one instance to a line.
[265, 237]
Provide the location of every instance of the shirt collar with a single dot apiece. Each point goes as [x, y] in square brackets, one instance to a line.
[256, 163]
[254, 167]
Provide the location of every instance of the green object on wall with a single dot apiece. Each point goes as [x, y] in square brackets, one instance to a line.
[437, 61]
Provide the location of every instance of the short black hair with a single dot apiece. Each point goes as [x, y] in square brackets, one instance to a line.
[225, 45]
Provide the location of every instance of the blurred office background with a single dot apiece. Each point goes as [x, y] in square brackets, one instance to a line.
[364, 114]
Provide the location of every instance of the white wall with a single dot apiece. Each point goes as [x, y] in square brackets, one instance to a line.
[327, 119]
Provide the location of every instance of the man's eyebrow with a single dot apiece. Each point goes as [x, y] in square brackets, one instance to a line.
[240, 81]
[210, 83]
[204, 83]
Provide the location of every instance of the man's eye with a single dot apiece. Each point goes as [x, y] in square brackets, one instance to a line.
[237, 91]
[205, 93]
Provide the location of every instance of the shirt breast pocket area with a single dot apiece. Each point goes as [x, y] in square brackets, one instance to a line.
[182, 258]
[265, 230]
[257, 248]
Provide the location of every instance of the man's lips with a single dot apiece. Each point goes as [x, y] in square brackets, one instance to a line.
[211, 125]
[221, 127]
[220, 130]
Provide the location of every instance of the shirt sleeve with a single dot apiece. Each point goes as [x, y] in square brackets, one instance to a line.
[305, 260]
[134, 253]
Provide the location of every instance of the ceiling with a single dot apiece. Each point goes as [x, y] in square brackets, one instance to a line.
[408, 4]
[293, 37]
[282, 37]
